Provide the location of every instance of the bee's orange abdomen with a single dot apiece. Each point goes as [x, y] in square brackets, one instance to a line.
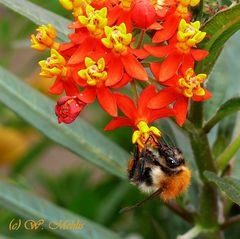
[175, 185]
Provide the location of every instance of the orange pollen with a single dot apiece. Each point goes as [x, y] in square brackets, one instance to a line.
[48, 61]
[93, 69]
[39, 36]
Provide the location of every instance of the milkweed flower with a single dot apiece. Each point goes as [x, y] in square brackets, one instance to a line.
[180, 89]
[45, 38]
[93, 78]
[68, 108]
[119, 12]
[181, 51]
[172, 11]
[76, 6]
[139, 116]
[122, 57]
[56, 66]
[89, 30]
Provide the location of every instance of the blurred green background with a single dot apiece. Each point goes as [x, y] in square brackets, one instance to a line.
[53, 172]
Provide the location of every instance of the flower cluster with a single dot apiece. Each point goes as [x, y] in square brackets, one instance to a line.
[105, 53]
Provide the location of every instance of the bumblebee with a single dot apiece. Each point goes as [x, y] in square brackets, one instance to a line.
[159, 170]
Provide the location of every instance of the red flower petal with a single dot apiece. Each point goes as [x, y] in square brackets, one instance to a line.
[77, 38]
[139, 53]
[70, 88]
[155, 26]
[160, 51]
[117, 123]
[161, 113]
[57, 87]
[113, 15]
[126, 105]
[125, 80]
[199, 54]
[207, 96]
[188, 62]
[88, 95]
[126, 18]
[163, 98]
[170, 66]
[181, 109]
[172, 81]
[133, 67]
[144, 98]
[115, 72]
[81, 52]
[155, 69]
[107, 101]
[169, 28]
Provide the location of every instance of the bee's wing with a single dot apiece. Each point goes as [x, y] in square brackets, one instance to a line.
[165, 139]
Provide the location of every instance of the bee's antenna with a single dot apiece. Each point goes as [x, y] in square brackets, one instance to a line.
[139, 204]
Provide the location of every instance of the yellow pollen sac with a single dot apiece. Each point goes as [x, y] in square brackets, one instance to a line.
[94, 73]
[190, 84]
[190, 33]
[125, 4]
[117, 38]
[142, 135]
[95, 21]
[182, 7]
[44, 38]
[76, 6]
[55, 65]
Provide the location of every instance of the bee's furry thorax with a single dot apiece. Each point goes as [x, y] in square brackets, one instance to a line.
[162, 168]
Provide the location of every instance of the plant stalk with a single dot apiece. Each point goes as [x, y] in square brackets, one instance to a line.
[209, 209]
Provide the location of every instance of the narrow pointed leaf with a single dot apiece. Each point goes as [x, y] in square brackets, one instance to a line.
[39, 15]
[79, 137]
[31, 207]
[219, 29]
[230, 186]
[229, 107]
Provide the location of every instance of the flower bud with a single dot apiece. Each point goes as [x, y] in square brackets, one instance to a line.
[68, 108]
[143, 14]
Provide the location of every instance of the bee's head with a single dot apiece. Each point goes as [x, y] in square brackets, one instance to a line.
[172, 157]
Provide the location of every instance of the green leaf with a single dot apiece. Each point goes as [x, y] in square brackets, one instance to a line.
[229, 107]
[31, 207]
[230, 186]
[219, 29]
[79, 137]
[40, 16]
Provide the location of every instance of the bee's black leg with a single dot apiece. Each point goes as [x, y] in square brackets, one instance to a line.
[135, 163]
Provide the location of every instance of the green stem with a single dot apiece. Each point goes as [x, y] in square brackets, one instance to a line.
[141, 37]
[196, 114]
[200, 11]
[181, 212]
[134, 90]
[228, 153]
[230, 221]
[209, 211]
